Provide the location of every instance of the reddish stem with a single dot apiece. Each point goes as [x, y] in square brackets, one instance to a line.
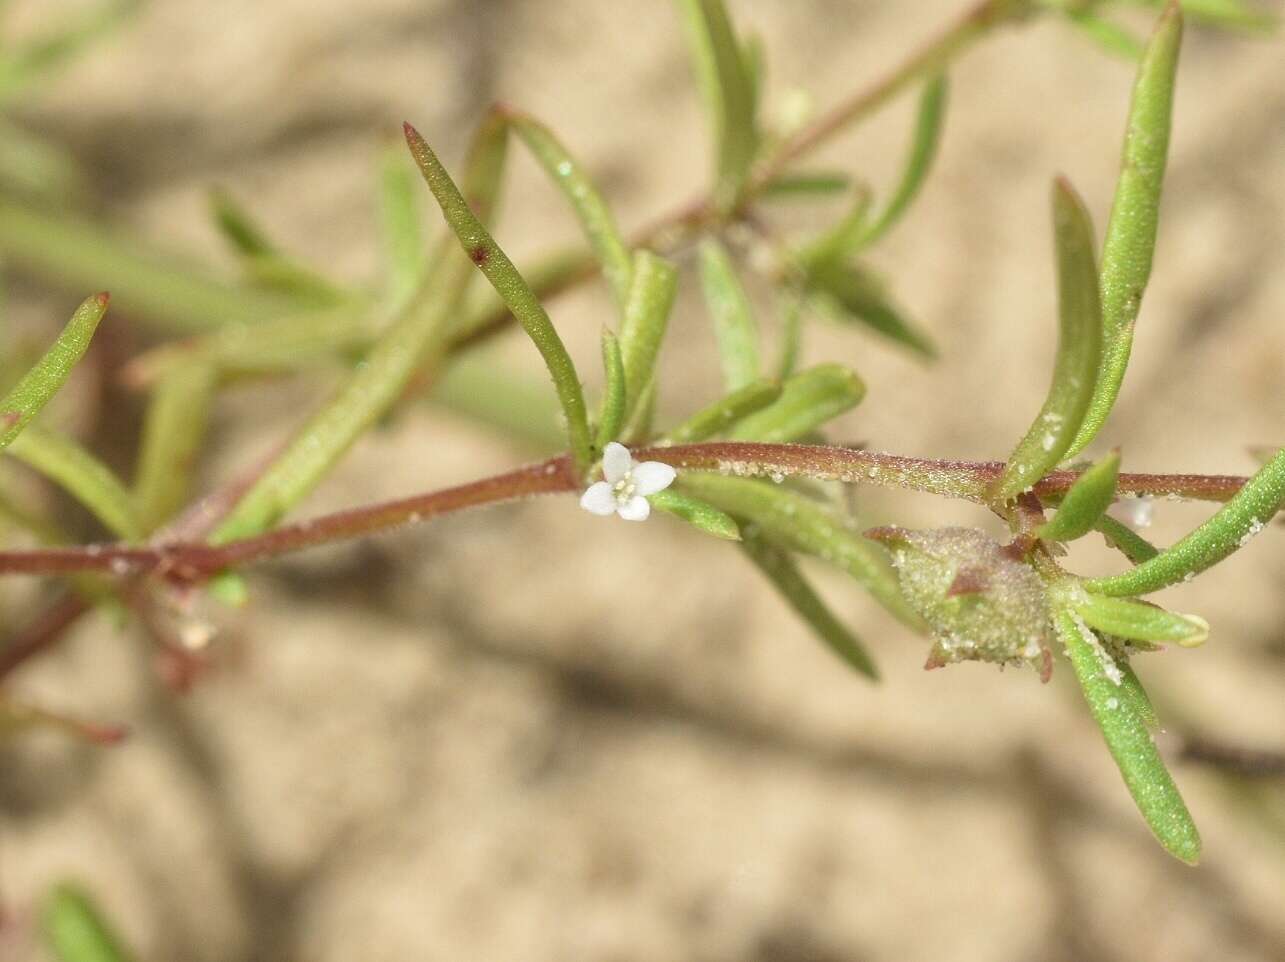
[969, 480]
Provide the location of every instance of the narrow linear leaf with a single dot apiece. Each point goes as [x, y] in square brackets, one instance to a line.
[651, 298]
[81, 475]
[166, 291]
[37, 59]
[1079, 347]
[592, 211]
[291, 342]
[372, 389]
[839, 242]
[238, 228]
[37, 386]
[75, 930]
[264, 263]
[173, 431]
[1131, 230]
[31, 165]
[791, 311]
[509, 284]
[923, 150]
[480, 386]
[849, 293]
[485, 311]
[733, 320]
[612, 416]
[808, 400]
[1235, 14]
[806, 184]
[725, 412]
[1085, 503]
[1109, 36]
[1243, 516]
[697, 513]
[401, 230]
[1127, 541]
[1139, 621]
[780, 569]
[797, 523]
[1115, 709]
[728, 89]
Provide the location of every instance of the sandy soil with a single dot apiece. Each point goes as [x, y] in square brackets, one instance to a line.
[525, 734]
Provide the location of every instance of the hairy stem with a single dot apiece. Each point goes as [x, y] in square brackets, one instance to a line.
[967, 480]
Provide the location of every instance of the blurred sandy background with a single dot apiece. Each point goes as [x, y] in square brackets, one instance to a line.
[529, 734]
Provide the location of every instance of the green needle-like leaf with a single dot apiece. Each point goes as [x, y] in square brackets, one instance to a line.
[401, 230]
[733, 320]
[264, 263]
[238, 228]
[1235, 14]
[1247, 512]
[808, 400]
[479, 385]
[595, 216]
[1131, 231]
[780, 569]
[1138, 621]
[82, 475]
[75, 930]
[728, 89]
[840, 241]
[651, 298]
[1079, 348]
[1127, 541]
[509, 284]
[1110, 36]
[806, 184]
[725, 412]
[167, 291]
[923, 149]
[849, 293]
[1115, 706]
[612, 416]
[374, 387]
[38, 385]
[800, 524]
[790, 302]
[1085, 503]
[697, 513]
[37, 59]
[173, 431]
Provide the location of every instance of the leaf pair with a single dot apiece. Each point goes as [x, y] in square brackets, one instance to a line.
[1097, 310]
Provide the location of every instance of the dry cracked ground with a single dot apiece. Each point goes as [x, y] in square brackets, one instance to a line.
[530, 734]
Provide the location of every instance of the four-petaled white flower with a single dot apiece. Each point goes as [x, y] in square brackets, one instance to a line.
[627, 484]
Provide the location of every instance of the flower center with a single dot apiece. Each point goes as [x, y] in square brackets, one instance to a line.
[624, 488]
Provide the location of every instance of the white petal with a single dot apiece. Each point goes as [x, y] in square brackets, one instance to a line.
[616, 462]
[635, 509]
[653, 476]
[599, 499]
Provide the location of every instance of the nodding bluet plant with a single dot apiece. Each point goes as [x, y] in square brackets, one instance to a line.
[752, 467]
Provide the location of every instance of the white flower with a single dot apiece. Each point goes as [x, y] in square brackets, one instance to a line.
[627, 485]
